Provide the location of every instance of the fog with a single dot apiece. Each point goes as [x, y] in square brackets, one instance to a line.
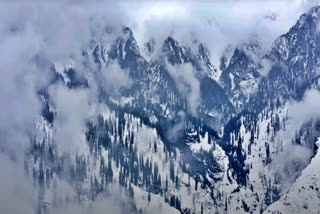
[187, 83]
[35, 36]
[303, 111]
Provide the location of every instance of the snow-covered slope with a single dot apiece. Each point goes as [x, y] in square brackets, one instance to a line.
[151, 136]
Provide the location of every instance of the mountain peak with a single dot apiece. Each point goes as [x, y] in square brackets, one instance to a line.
[127, 31]
[125, 47]
[315, 11]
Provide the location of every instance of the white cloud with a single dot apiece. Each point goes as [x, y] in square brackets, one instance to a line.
[294, 158]
[175, 132]
[20, 78]
[17, 193]
[114, 77]
[35, 35]
[216, 24]
[266, 66]
[104, 203]
[290, 162]
[302, 112]
[73, 108]
[187, 84]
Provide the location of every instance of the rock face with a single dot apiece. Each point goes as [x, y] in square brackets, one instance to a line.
[157, 137]
[240, 77]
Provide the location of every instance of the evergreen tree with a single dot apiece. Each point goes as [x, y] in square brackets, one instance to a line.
[149, 196]
[172, 170]
[201, 208]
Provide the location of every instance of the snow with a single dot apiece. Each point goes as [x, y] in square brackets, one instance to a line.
[122, 101]
[232, 81]
[248, 86]
[153, 119]
[203, 145]
[60, 68]
[282, 44]
[300, 197]
[156, 203]
[223, 161]
[212, 114]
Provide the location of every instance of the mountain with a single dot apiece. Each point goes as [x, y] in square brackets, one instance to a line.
[240, 76]
[166, 133]
[294, 58]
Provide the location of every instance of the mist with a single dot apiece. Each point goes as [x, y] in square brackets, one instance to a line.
[34, 37]
[215, 24]
[301, 112]
[187, 83]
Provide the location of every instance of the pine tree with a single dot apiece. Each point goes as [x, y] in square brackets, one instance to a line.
[196, 180]
[226, 205]
[201, 208]
[166, 183]
[155, 146]
[149, 196]
[177, 182]
[172, 170]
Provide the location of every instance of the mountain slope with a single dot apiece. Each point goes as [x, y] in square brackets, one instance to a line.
[152, 135]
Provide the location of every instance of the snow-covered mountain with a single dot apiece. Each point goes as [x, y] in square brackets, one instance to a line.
[240, 74]
[164, 132]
